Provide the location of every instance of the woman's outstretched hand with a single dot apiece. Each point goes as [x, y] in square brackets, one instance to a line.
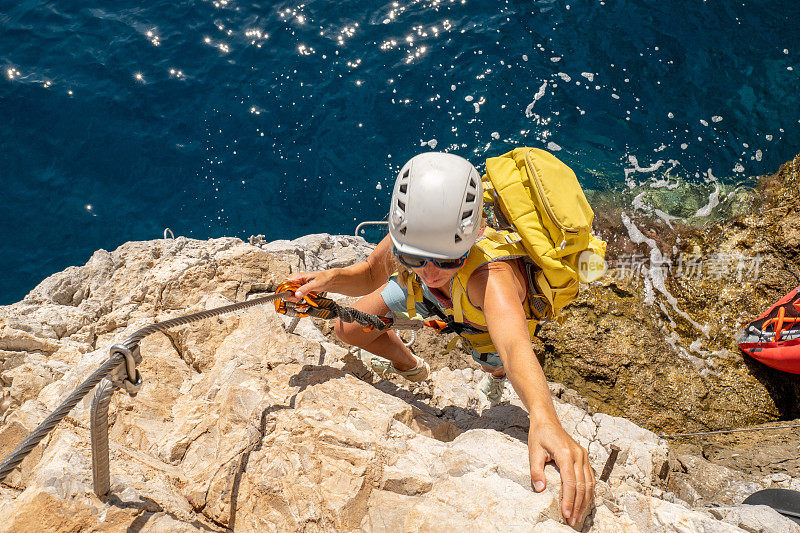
[312, 281]
[547, 441]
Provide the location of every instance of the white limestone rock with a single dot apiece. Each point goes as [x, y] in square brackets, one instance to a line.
[652, 514]
[642, 453]
[240, 424]
[755, 518]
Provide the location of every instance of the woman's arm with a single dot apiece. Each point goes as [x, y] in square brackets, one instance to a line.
[355, 280]
[499, 289]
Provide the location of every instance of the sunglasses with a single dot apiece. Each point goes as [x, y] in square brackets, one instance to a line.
[416, 261]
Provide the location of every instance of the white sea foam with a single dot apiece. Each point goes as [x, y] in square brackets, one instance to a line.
[649, 294]
[588, 75]
[713, 201]
[672, 339]
[553, 147]
[666, 314]
[664, 182]
[656, 272]
[633, 160]
[432, 143]
[638, 202]
[536, 97]
[695, 346]
[564, 76]
[666, 217]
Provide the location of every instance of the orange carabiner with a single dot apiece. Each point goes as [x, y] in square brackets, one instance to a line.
[301, 307]
[312, 304]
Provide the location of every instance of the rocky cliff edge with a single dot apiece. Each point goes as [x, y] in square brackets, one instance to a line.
[243, 425]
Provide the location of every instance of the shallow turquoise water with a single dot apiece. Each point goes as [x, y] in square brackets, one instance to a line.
[284, 118]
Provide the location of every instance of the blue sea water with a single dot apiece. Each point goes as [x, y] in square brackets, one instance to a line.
[236, 118]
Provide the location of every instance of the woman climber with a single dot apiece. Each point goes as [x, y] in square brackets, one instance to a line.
[452, 270]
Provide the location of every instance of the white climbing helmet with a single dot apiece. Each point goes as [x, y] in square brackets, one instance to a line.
[436, 208]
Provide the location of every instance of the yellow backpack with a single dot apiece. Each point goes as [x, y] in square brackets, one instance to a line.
[539, 203]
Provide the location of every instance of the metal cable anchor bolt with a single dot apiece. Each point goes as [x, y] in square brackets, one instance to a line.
[127, 376]
[612, 458]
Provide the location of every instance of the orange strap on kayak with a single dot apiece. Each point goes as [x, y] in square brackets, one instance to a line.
[781, 322]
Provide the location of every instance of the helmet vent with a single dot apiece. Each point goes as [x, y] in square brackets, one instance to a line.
[401, 205]
[403, 230]
[466, 214]
[470, 197]
[404, 188]
[405, 174]
[472, 183]
[457, 239]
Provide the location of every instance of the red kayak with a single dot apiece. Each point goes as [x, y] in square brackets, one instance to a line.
[774, 337]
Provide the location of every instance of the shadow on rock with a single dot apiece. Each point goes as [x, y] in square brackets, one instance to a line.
[150, 509]
[505, 418]
[783, 388]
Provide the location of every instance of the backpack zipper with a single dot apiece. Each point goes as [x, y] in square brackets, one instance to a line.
[551, 214]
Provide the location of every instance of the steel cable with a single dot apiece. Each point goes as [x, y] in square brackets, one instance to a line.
[722, 431]
[41, 431]
[134, 339]
[101, 473]
[351, 314]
